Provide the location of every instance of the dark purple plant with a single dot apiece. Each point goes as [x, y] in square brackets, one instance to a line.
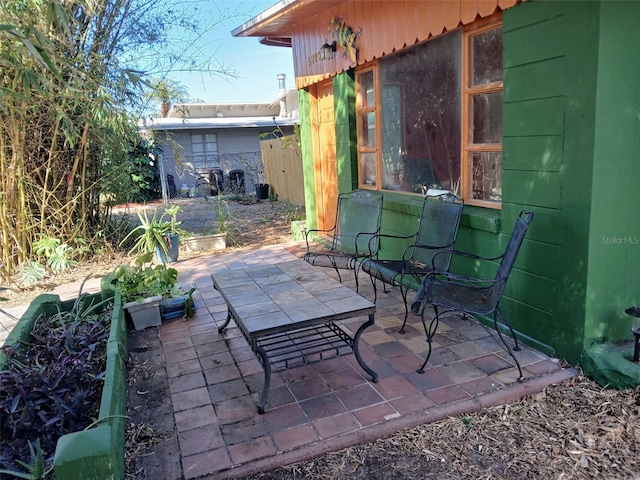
[52, 386]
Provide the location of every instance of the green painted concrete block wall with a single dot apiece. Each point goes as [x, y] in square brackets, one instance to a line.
[570, 120]
[98, 453]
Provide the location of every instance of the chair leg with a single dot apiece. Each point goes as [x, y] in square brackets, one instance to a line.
[356, 267]
[335, 267]
[504, 320]
[430, 331]
[404, 292]
[375, 289]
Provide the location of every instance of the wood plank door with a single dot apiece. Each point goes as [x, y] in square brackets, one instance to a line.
[326, 166]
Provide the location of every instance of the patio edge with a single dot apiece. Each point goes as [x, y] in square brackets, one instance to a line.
[509, 394]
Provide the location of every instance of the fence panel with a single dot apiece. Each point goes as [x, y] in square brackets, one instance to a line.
[282, 161]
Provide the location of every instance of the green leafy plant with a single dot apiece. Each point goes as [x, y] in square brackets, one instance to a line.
[293, 211]
[151, 233]
[172, 212]
[31, 273]
[36, 466]
[58, 257]
[143, 279]
[155, 231]
[51, 386]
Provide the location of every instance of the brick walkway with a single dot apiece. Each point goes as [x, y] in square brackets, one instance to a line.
[209, 417]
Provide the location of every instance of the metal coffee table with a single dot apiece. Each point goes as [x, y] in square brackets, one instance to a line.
[288, 314]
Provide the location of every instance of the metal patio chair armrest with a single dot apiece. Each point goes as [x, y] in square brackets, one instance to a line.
[372, 237]
[444, 250]
[466, 255]
[380, 236]
[315, 230]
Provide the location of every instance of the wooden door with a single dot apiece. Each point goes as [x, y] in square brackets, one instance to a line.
[326, 161]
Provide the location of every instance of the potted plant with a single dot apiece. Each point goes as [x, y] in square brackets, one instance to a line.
[214, 238]
[144, 287]
[171, 238]
[157, 235]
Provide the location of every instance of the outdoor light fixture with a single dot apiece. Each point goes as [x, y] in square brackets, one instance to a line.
[635, 329]
[327, 51]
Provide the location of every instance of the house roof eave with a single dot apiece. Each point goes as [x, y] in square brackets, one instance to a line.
[169, 124]
[277, 20]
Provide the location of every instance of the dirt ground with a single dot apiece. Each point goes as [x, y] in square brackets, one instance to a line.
[251, 224]
[575, 430]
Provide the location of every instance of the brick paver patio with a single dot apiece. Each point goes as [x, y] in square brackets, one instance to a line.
[207, 416]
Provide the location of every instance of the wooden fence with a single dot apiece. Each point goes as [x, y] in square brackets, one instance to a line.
[282, 161]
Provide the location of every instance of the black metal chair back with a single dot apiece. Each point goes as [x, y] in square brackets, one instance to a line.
[358, 218]
[437, 230]
[509, 258]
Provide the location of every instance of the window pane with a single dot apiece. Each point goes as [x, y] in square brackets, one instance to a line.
[211, 138]
[368, 129]
[420, 115]
[365, 86]
[486, 173]
[211, 147]
[486, 111]
[486, 57]
[368, 168]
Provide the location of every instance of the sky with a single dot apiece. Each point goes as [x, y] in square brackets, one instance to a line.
[255, 65]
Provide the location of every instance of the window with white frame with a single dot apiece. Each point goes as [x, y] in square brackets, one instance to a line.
[430, 116]
[204, 148]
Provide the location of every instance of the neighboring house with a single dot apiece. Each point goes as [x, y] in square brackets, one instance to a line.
[514, 105]
[203, 142]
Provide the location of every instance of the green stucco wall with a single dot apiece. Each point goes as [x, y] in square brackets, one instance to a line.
[344, 99]
[306, 148]
[613, 280]
[571, 142]
[571, 155]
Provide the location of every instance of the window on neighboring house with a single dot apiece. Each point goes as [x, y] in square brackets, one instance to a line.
[411, 107]
[204, 148]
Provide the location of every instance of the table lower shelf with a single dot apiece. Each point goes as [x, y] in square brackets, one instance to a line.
[306, 346]
[303, 346]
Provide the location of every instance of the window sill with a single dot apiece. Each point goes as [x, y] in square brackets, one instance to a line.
[477, 218]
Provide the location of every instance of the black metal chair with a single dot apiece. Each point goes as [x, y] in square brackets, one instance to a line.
[358, 219]
[471, 295]
[437, 232]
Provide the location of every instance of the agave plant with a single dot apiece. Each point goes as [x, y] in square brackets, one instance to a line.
[151, 233]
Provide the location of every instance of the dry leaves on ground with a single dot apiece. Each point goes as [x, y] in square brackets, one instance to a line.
[575, 430]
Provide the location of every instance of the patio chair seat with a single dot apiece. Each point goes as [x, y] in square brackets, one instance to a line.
[457, 296]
